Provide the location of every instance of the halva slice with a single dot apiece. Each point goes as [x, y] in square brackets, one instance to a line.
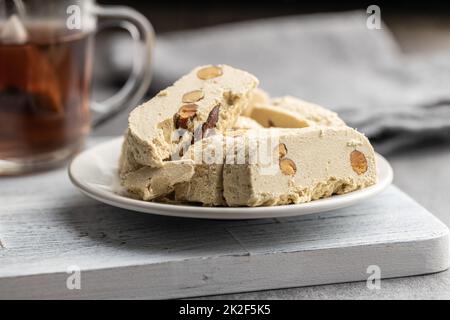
[208, 98]
[290, 112]
[307, 164]
[246, 123]
[206, 185]
[148, 183]
[209, 156]
[127, 164]
[257, 97]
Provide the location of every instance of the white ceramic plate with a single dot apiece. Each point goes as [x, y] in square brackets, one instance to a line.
[94, 172]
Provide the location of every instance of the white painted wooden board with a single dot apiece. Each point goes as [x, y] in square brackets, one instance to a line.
[47, 226]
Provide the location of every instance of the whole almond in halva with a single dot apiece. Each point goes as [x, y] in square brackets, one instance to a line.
[193, 96]
[288, 167]
[359, 162]
[209, 72]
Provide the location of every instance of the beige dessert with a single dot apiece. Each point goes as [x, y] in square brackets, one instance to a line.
[269, 167]
[127, 164]
[312, 163]
[290, 112]
[209, 156]
[257, 97]
[208, 98]
[214, 139]
[150, 183]
[246, 123]
[206, 185]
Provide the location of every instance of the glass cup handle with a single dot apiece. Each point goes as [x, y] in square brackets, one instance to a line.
[139, 81]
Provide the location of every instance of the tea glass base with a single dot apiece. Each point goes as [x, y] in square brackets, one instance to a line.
[13, 167]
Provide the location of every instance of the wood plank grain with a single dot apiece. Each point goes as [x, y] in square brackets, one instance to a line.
[124, 254]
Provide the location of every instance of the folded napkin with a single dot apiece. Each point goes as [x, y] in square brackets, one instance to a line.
[330, 59]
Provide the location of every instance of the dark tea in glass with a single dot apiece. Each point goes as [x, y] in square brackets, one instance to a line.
[45, 94]
[46, 58]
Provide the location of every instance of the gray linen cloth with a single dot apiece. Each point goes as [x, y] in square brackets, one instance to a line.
[330, 59]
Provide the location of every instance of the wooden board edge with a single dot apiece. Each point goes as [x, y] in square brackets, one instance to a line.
[225, 274]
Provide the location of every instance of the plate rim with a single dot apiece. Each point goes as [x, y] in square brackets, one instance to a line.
[226, 213]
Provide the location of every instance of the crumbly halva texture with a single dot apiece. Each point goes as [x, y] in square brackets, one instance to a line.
[209, 156]
[150, 183]
[127, 164]
[290, 112]
[208, 98]
[257, 97]
[301, 165]
[305, 164]
[246, 123]
[206, 185]
[313, 163]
